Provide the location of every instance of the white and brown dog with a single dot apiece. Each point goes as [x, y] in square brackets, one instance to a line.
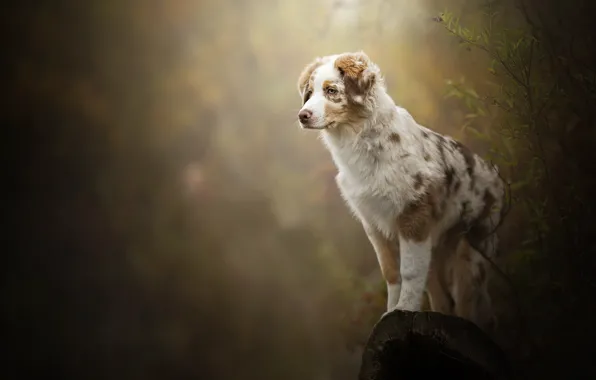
[419, 194]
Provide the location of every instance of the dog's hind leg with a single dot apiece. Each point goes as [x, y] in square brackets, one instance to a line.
[440, 276]
[470, 286]
[437, 288]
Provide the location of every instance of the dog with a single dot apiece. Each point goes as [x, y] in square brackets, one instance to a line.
[427, 203]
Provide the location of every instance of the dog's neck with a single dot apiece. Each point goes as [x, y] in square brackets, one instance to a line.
[363, 148]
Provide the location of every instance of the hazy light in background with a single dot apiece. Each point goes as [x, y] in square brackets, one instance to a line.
[284, 39]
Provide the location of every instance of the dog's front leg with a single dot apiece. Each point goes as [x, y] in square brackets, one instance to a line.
[387, 251]
[415, 262]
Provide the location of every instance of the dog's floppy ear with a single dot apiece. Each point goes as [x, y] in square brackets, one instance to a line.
[306, 73]
[359, 74]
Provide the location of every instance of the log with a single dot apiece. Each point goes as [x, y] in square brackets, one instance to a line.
[414, 345]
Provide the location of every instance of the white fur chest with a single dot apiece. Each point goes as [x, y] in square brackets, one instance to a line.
[370, 203]
[375, 177]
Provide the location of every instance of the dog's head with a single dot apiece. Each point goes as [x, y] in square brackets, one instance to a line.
[337, 89]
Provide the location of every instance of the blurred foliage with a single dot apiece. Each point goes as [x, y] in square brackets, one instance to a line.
[174, 222]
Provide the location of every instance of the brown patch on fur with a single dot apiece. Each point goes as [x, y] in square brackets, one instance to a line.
[357, 82]
[415, 221]
[395, 137]
[351, 64]
[426, 157]
[424, 134]
[335, 112]
[328, 83]
[387, 256]
[389, 267]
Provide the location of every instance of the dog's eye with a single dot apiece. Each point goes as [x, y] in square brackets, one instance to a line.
[331, 91]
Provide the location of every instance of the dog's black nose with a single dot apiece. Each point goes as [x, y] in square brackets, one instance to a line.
[305, 116]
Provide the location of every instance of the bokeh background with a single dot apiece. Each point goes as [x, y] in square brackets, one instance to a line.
[173, 220]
